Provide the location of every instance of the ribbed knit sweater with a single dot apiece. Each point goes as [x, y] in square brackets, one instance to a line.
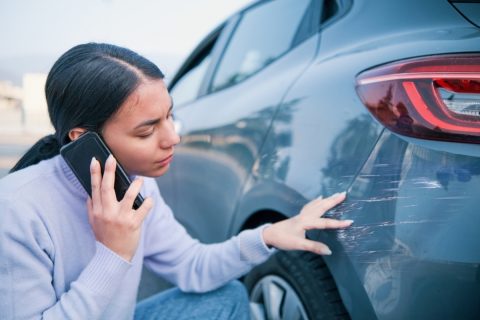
[52, 267]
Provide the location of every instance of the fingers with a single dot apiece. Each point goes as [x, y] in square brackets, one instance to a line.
[108, 182]
[129, 198]
[142, 212]
[103, 191]
[315, 247]
[326, 223]
[96, 180]
[319, 206]
[132, 192]
[332, 201]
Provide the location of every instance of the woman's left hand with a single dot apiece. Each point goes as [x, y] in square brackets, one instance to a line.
[289, 234]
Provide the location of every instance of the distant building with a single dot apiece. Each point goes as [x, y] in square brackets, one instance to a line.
[10, 95]
[24, 109]
[11, 108]
[35, 104]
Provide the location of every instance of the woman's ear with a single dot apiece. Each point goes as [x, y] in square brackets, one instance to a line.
[75, 133]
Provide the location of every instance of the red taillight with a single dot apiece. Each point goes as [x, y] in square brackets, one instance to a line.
[428, 98]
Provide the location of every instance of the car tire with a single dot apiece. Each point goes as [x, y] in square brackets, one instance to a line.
[294, 285]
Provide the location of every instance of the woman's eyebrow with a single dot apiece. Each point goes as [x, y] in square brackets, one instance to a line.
[147, 123]
[152, 121]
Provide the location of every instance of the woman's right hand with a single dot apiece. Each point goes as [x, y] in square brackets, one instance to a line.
[115, 224]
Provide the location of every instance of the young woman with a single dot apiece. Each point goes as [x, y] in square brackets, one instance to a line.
[65, 255]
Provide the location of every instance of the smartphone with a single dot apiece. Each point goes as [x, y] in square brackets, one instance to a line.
[79, 153]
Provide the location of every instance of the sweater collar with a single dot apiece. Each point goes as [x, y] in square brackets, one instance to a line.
[72, 180]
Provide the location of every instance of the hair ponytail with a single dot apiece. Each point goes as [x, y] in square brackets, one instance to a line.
[43, 149]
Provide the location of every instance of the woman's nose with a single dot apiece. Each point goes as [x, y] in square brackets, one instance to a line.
[175, 138]
[170, 138]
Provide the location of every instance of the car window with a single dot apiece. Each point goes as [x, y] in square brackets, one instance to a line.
[187, 87]
[264, 33]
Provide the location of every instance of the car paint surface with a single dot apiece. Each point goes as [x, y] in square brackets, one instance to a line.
[223, 145]
[298, 130]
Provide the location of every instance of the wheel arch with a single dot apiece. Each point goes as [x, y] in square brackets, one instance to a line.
[261, 217]
[265, 202]
[269, 202]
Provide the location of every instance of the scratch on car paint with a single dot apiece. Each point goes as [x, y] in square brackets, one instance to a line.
[354, 232]
[418, 221]
[369, 175]
[393, 223]
[343, 209]
[380, 199]
[381, 165]
[452, 198]
[426, 183]
[392, 189]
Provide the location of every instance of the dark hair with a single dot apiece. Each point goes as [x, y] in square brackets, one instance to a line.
[84, 88]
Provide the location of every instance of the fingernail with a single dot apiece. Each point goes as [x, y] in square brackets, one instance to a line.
[327, 252]
[92, 163]
[349, 221]
[110, 158]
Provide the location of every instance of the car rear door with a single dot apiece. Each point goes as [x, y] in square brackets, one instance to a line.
[258, 56]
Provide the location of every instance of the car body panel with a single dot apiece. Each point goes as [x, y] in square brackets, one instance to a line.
[220, 143]
[298, 130]
[409, 204]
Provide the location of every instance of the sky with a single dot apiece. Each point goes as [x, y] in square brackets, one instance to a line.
[35, 32]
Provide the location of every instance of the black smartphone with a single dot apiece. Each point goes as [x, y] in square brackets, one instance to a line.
[79, 153]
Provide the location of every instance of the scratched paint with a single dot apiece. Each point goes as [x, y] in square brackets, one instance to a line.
[415, 234]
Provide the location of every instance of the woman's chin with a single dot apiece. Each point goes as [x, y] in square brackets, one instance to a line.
[153, 172]
[157, 172]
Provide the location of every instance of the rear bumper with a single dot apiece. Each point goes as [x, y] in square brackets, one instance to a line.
[413, 250]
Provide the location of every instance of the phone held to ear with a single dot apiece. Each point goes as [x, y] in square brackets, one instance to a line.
[79, 153]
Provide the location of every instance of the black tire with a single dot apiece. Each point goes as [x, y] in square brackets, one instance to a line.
[307, 275]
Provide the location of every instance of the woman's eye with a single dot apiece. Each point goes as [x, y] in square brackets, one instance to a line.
[145, 134]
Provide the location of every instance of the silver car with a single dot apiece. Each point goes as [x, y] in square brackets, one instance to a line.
[291, 99]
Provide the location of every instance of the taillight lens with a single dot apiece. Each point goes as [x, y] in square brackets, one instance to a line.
[429, 98]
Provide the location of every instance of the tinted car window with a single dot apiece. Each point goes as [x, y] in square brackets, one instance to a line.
[264, 33]
[187, 87]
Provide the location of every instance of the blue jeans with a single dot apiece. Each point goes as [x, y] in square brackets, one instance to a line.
[227, 302]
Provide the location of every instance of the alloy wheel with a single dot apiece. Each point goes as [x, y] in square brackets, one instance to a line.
[273, 298]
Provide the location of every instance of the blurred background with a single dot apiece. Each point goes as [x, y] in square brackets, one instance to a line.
[35, 33]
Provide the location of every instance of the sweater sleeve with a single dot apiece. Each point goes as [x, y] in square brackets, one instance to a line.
[26, 273]
[195, 267]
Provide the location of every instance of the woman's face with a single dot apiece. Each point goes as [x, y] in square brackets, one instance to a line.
[141, 134]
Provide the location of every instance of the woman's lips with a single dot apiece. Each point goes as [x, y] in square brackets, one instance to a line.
[165, 161]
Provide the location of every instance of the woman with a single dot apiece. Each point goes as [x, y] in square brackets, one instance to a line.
[65, 255]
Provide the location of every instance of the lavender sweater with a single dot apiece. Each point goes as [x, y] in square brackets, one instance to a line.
[51, 267]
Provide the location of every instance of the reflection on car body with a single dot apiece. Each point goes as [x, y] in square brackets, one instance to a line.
[289, 100]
